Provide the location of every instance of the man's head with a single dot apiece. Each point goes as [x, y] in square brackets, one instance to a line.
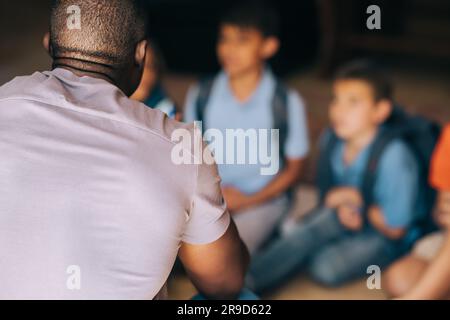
[110, 39]
[248, 36]
[362, 99]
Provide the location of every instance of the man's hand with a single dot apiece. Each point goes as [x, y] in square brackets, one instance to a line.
[345, 196]
[235, 199]
[442, 212]
[350, 217]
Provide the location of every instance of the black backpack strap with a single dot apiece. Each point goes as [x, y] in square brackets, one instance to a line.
[324, 171]
[205, 88]
[280, 114]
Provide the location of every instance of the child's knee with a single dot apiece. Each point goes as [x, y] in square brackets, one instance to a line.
[396, 281]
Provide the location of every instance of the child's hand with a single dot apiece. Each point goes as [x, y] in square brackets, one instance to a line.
[235, 199]
[377, 220]
[344, 196]
[350, 217]
[442, 214]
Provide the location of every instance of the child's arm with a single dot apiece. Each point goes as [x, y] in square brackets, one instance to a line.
[236, 200]
[442, 212]
[395, 206]
[435, 283]
[376, 218]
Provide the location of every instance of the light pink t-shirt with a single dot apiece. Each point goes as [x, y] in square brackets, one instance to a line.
[91, 204]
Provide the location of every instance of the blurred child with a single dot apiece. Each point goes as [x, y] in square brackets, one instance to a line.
[247, 95]
[425, 273]
[150, 90]
[352, 230]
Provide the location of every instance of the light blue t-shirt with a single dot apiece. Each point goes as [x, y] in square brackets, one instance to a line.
[224, 112]
[397, 185]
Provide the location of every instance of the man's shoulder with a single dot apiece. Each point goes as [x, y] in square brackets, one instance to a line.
[109, 103]
[21, 85]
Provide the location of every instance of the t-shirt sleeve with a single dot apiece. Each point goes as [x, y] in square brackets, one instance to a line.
[297, 142]
[397, 185]
[189, 107]
[440, 164]
[208, 217]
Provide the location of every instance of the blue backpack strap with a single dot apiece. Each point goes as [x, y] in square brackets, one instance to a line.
[280, 114]
[324, 171]
[204, 93]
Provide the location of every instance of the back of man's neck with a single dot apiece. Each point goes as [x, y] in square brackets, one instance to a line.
[82, 68]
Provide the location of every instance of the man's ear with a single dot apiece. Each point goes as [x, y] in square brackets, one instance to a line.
[271, 47]
[384, 111]
[46, 43]
[141, 51]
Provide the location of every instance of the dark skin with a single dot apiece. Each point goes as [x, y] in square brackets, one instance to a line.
[222, 276]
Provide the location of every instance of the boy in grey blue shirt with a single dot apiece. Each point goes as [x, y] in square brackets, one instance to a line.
[343, 237]
[246, 97]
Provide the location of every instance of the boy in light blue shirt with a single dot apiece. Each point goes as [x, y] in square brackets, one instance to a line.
[245, 96]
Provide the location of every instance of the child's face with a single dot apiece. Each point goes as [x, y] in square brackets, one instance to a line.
[354, 110]
[241, 49]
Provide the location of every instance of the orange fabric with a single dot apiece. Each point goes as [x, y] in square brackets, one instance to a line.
[440, 164]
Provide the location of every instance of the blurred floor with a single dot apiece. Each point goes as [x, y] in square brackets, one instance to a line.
[300, 288]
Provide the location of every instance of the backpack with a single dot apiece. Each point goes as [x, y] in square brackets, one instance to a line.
[419, 134]
[279, 108]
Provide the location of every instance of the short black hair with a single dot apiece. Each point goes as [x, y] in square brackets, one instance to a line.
[368, 71]
[254, 14]
[110, 30]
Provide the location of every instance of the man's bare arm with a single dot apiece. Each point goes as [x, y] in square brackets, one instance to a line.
[218, 269]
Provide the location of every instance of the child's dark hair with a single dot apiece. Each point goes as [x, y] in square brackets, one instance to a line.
[370, 72]
[254, 14]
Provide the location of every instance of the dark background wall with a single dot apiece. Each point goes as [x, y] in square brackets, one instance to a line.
[314, 33]
[187, 31]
